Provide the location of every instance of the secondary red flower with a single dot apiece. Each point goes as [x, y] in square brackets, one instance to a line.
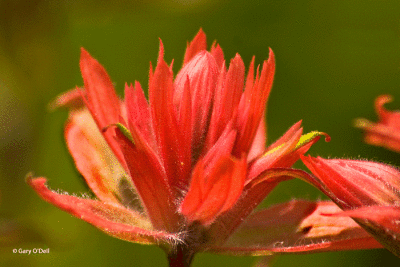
[386, 132]
[366, 191]
[184, 169]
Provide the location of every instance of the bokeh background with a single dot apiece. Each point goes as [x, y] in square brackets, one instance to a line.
[333, 59]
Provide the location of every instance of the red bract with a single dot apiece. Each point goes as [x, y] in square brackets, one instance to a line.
[186, 168]
[386, 132]
[366, 191]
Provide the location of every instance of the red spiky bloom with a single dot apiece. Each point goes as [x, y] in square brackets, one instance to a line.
[187, 167]
[367, 191]
[386, 132]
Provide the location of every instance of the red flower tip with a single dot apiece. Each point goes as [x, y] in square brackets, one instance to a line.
[386, 132]
[381, 100]
[160, 52]
[198, 44]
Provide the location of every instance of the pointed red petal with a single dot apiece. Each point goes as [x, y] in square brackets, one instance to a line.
[260, 140]
[192, 201]
[203, 73]
[274, 154]
[222, 147]
[217, 192]
[227, 97]
[215, 129]
[250, 76]
[101, 98]
[297, 226]
[174, 155]
[198, 44]
[218, 54]
[252, 106]
[160, 93]
[112, 219]
[236, 185]
[151, 183]
[138, 113]
[185, 136]
[286, 136]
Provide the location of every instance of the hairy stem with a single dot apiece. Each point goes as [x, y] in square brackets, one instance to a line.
[181, 256]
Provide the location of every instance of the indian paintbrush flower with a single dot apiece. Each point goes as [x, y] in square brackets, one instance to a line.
[367, 191]
[386, 132]
[186, 168]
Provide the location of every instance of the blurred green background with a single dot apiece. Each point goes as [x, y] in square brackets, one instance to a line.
[333, 59]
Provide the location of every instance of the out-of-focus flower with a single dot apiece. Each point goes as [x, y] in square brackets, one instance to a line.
[186, 168]
[386, 132]
[367, 191]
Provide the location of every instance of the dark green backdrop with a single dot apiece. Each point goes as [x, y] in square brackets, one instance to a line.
[333, 59]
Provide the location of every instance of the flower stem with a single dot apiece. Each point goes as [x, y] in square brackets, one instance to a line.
[181, 256]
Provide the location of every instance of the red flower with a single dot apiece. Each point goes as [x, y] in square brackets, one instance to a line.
[386, 132]
[366, 191]
[186, 168]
